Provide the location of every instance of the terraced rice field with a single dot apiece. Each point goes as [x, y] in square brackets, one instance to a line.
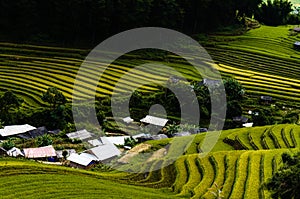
[25, 179]
[263, 60]
[240, 173]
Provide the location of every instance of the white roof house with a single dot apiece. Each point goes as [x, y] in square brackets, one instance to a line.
[81, 135]
[83, 159]
[154, 120]
[127, 120]
[105, 150]
[16, 129]
[14, 152]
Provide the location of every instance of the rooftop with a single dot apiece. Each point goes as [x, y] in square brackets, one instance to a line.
[41, 152]
[83, 159]
[15, 130]
[81, 135]
[105, 150]
[154, 120]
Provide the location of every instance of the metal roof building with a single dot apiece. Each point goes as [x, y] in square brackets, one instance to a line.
[15, 130]
[14, 152]
[84, 159]
[104, 150]
[81, 135]
[154, 120]
[41, 152]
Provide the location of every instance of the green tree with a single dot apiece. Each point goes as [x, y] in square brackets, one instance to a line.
[54, 97]
[234, 90]
[171, 129]
[285, 183]
[44, 140]
[130, 142]
[275, 13]
[65, 153]
[8, 102]
[8, 144]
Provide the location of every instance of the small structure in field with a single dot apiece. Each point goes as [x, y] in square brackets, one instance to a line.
[297, 29]
[240, 119]
[80, 135]
[266, 99]
[45, 152]
[128, 120]
[82, 161]
[104, 150]
[154, 120]
[297, 45]
[15, 152]
[15, 130]
[247, 125]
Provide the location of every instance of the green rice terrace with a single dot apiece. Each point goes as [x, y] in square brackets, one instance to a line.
[241, 161]
[262, 60]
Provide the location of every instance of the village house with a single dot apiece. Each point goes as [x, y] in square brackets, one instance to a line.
[43, 153]
[103, 149]
[154, 121]
[15, 152]
[80, 135]
[14, 130]
[82, 161]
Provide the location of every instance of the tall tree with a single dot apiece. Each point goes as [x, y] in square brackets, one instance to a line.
[54, 97]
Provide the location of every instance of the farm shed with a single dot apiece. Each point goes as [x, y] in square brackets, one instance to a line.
[104, 151]
[60, 152]
[127, 120]
[40, 153]
[81, 135]
[82, 161]
[154, 120]
[15, 130]
[15, 152]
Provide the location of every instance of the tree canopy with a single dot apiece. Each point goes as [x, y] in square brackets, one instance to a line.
[285, 183]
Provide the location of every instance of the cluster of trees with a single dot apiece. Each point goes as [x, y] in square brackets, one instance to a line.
[277, 12]
[285, 183]
[81, 22]
[54, 116]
